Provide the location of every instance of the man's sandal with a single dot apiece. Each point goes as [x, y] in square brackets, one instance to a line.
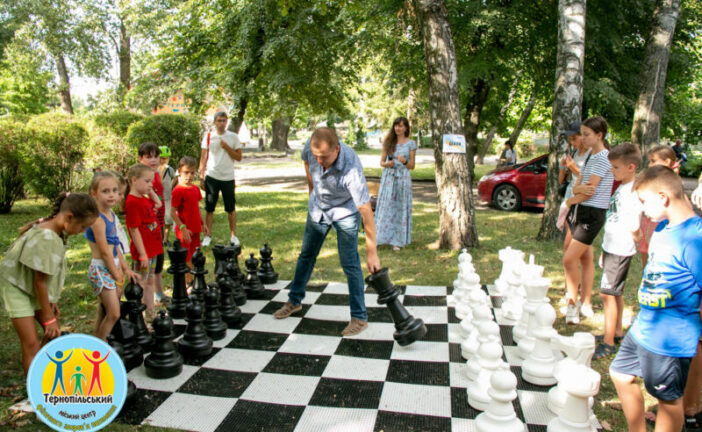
[355, 327]
[604, 350]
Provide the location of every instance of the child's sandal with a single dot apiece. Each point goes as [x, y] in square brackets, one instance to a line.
[604, 350]
[693, 423]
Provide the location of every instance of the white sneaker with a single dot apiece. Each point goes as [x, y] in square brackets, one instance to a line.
[564, 309]
[572, 316]
[206, 241]
[234, 240]
[586, 311]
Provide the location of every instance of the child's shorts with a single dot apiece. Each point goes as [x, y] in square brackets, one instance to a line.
[585, 222]
[194, 243]
[664, 377]
[614, 271]
[100, 277]
[18, 303]
[158, 268]
[148, 271]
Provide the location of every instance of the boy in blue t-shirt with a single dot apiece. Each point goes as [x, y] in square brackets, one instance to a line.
[662, 341]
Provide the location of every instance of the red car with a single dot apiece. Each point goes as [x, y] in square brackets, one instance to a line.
[510, 188]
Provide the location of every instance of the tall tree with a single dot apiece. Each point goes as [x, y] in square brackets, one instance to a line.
[567, 100]
[491, 134]
[649, 106]
[454, 171]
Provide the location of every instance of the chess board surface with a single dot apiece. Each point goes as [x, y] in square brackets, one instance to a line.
[299, 374]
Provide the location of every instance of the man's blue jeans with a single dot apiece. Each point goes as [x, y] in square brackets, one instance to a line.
[347, 239]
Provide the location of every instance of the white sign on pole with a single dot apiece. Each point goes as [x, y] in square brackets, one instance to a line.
[454, 143]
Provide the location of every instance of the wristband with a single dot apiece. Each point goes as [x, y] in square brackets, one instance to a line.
[48, 323]
[562, 168]
[180, 227]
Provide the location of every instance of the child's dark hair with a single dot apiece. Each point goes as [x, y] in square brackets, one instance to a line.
[626, 152]
[660, 177]
[149, 149]
[662, 152]
[185, 161]
[100, 176]
[81, 205]
[599, 125]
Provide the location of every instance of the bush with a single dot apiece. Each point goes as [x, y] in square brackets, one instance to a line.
[50, 161]
[108, 149]
[116, 123]
[13, 135]
[693, 166]
[180, 132]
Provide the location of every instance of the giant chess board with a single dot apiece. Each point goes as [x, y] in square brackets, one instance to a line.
[299, 374]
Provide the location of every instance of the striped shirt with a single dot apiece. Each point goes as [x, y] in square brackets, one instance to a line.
[599, 165]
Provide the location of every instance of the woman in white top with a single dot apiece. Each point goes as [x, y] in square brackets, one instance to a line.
[509, 155]
[588, 210]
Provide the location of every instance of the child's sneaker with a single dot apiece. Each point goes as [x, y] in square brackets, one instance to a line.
[572, 314]
[234, 241]
[586, 311]
[206, 241]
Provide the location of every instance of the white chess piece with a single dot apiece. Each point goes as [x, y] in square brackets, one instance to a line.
[488, 331]
[490, 360]
[536, 289]
[480, 313]
[581, 384]
[509, 258]
[579, 348]
[500, 415]
[513, 303]
[538, 367]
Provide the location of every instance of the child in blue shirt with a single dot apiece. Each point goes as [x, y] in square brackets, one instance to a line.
[662, 341]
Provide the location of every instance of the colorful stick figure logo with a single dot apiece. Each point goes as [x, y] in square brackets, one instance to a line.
[75, 382]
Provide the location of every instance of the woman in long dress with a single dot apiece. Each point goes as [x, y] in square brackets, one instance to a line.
[393, 212]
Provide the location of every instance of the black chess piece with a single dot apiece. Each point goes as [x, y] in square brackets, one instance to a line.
[124, 333]
[233, 269]
[178, 256]
[252, 284]
[197, 293]
[164, 360]
[408, 329]
[133, 292]
[214, 325]
[266, 273]
[221, 254]
[237, 286]
[119, 350]
[231, 314]
[195, 342]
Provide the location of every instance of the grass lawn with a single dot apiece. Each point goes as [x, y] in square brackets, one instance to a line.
[278, 218]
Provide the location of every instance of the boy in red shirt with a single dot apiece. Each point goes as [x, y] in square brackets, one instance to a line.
[149, 155]
[185, 210]
[143, 227]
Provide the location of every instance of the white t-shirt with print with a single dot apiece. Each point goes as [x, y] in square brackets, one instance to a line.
[623, 216]
[220, 165]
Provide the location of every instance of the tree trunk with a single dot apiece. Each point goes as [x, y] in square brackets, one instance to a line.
[281, 127]
[64, 89]
[236, 121]
[514, 136]
[454, 171]
[125, 60]
[567, 99]
[503, 110]
[474, 108]
[646, 130]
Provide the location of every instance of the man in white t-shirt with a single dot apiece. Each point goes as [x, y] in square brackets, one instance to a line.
[220, 148]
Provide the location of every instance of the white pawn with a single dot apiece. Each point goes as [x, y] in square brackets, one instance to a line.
[464, 256]
[480, 314]
[488, 331]
[500, 415]
[490, 360]
[538, 368]
[581, 384]
[536, 289]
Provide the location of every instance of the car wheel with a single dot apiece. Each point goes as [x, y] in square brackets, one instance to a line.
[506, 197]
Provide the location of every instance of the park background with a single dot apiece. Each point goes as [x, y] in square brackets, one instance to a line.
[84, 82]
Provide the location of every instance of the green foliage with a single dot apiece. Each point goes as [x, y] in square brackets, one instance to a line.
[24, 82]
[180, 132]
[693, 166]
[50, 161]
[116, 122]
[13, 135]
